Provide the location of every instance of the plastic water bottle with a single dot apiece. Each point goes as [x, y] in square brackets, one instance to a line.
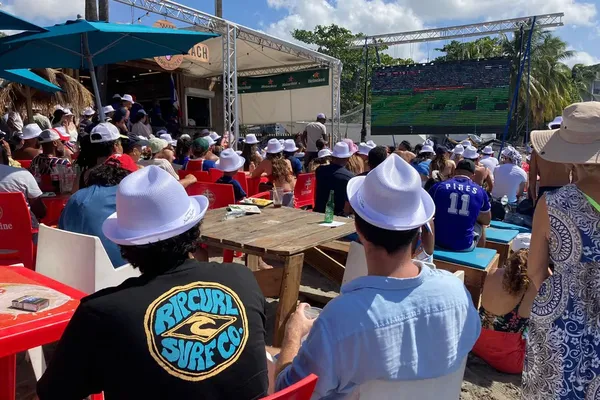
[329, 208]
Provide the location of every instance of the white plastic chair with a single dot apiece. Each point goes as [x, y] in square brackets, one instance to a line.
[445, 387]
[76, 260]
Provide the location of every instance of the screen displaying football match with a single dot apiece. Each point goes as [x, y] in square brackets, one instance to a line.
[438, 98]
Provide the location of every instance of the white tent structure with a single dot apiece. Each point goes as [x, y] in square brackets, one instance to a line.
[241, 51]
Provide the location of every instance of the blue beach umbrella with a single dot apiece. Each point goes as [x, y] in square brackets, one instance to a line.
[28, 78]
[10, 22]
[83, 44]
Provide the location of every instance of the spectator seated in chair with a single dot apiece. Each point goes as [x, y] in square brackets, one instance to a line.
[29, 147]
[53, 153]
[200, 147]
[403, 314]
[334, 177]
[181, 329]
[462, 210]
[289, 149]
[162, 156]
[230, 163]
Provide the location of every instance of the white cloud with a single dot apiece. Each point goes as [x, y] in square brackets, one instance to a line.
[582, 57]
[46, 12]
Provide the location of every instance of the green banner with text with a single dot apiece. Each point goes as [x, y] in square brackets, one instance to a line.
[289, 81]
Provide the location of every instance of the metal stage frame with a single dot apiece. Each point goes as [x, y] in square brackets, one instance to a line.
[230, 31]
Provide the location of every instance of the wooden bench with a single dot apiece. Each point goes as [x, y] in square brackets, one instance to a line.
[501, 241]
[476, 264]
[504, 225]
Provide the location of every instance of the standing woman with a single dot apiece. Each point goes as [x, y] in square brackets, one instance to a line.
[563, 346]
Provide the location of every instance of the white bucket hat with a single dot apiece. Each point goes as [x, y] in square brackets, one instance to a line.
[341, 150]
[521, 241]
[251, 139]
[274, 146]
[152, 206]
[426, 149]
[375, 197]
[365, 148]
[229, 161]
[488, 151]
[290, 146]
[471, 153]
[466, 143]
[577, 141]
[324, 153]
[168, 138]
[458, 149]
[30, 131]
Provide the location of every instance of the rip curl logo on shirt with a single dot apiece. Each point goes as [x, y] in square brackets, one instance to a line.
[196, 331]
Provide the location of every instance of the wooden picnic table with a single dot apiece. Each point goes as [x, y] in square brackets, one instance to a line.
[288, 234]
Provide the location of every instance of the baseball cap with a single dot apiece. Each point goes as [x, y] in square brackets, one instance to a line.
[157, 145]
[132, 141]
[200, 144]
[142, 112]
[321, 116]
[48, 135]
[105, 132]
[30, 131]
[116, 96]
[122, 161]
[466, 165]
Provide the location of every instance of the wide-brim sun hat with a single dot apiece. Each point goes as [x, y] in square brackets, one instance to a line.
[250, 139]
[577, 141]
[341, 150]
[151, 207]
[274, 146]
[375, 197]
[229, 161]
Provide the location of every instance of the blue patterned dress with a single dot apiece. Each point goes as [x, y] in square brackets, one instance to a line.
[563, 349]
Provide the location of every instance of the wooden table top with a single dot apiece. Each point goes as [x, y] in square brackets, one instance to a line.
[283, 231]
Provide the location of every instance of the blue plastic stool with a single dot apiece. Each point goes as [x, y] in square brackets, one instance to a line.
[504, 225]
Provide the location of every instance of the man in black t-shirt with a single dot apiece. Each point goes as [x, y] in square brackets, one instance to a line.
[181, 330]
[334, 177]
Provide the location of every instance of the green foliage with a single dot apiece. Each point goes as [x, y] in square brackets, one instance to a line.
[335, 41]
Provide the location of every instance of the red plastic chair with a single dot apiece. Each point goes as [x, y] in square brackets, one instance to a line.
[194, 165]
[25, 163]
[219, 195]
[241, 178]
[201, 176]
[304, 190]
[16, 231]
[215, 174]
[54, 208]
[253, 184]
[301, 390]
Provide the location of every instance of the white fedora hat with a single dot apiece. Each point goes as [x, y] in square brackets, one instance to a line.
[375, 197]
[251, 139]
[466, 143]
[290, 146]
[341, 150]
[458, 149]
[427, 149]
[324, 153]
[30, 131]
[274, 146]
[127, 97]
[428, 142]
[471, 153]
[108, 109]
[215, 136]
[88, 111]
[577, 141]
[488, 151]
[152, 206]
[365, 148]
[229, 161]
[521, 241]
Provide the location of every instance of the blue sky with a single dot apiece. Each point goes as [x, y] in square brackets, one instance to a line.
[279, 17]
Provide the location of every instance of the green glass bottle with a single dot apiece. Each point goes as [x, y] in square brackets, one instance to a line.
[329, 208]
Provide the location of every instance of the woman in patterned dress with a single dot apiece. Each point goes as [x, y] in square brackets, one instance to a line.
[563, 348]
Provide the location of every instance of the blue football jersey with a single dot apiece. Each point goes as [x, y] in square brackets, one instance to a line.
[458, 202]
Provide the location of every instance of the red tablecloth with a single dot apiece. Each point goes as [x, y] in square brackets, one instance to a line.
[20, 331]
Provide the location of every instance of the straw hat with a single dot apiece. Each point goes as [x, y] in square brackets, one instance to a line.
[375, 197]
[274, 146]
[152, 206]
[229, 161]
[577, 141]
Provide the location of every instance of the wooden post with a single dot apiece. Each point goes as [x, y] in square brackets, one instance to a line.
[288, 294]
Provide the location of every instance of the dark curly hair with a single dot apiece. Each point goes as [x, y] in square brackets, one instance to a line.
[107, 174]
[515, 279]
[157, 258]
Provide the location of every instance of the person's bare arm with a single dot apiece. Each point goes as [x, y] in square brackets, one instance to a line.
[304, 138]
[489, 181]
[484, 218]
[539, 252]
[188, 180]
[428, 238]
[38, 208]
[533, 173]
[296, 328]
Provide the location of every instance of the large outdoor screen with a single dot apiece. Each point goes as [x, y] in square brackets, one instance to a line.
[445, 97]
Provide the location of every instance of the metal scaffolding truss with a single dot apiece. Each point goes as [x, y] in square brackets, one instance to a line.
[461, 31]
[229, 31]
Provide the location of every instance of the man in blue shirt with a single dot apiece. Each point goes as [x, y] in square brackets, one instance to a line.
[289, 150]
[404, 321]
[230, 163]
[462, 209]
